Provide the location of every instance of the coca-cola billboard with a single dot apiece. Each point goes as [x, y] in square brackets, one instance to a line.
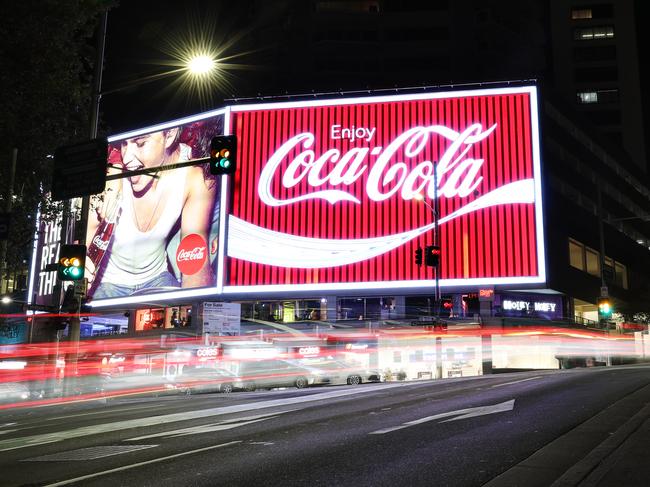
[326, 192]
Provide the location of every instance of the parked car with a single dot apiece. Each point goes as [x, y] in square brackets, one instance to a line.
[331, 371]
[269, 374]
[195, 380]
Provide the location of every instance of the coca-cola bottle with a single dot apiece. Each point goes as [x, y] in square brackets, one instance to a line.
[102, 239]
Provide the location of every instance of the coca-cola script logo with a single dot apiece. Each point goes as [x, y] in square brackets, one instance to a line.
[101, 244]
[191, 254]
[458, 174]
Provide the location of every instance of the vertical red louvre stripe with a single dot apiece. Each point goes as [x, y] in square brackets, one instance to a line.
[501, 240]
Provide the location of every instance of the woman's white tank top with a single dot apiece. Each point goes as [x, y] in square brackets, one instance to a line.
[137, 257]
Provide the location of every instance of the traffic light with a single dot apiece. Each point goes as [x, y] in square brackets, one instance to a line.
[72, 261]
[223, 155]
[604, 308]
[432, 257]
[418, 256]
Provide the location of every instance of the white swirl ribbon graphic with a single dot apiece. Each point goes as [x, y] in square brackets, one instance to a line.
[256, 244]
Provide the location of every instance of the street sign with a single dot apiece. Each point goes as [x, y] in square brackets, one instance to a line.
[80, 169]
[221, 318]
[604, 292]
[80, 288]
[4, 225]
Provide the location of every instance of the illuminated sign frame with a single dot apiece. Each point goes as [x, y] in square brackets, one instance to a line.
[246, 238]
[188, 292]
[227, 231]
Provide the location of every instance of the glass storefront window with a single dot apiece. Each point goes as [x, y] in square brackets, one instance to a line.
[163, 318]
[149, 319]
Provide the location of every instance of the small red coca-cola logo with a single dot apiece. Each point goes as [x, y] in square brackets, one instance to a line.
[191, 254]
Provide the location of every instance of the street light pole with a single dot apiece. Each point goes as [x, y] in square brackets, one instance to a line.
[436, 236]
[435, 209]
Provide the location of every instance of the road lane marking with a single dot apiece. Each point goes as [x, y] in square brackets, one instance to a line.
[460, 414]
[516, 381]
[150, 406]
[27, 441]
[139, 464]
[210, 428]
[90, 453]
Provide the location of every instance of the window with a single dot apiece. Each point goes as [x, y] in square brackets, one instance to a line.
[397, 357]
[587, 97]
[576, 255]
[596, 74]
[605, 117]
[620, 275]
[594, 53]
[588, 259]
[591, 33]
[593, 261]
[585, 12]
[581, 13]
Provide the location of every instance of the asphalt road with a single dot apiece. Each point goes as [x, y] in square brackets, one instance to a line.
[452, 432]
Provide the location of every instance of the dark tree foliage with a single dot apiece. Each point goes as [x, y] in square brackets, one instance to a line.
[47, 54]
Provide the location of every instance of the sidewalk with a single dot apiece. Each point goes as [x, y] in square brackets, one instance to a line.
[610, 449]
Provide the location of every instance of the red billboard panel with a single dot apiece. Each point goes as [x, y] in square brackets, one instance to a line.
[338, 194]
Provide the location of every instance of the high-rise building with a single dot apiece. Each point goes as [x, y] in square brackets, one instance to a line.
[595, 63]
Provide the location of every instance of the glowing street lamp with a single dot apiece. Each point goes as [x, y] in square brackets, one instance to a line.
[436, 235]
[201, 65]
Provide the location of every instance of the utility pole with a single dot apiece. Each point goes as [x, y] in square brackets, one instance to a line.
[74, 331]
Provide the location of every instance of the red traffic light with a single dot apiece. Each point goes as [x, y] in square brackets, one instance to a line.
[432, 255]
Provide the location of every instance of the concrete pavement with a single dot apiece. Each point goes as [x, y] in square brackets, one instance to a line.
[610, 449]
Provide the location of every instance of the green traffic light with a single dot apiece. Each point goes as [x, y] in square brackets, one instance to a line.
[225, 163]
[73, 272]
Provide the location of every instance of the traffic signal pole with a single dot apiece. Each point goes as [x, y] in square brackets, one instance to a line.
[74, 330]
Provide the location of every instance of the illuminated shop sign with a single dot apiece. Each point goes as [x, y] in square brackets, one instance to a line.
[210, 352]
[309, 351]
[485, 294]
[325, 197]
[533, 305]
[529, 306]
[42, 282]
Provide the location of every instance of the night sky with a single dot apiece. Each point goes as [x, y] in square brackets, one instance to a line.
[141, 32]
[138, 45]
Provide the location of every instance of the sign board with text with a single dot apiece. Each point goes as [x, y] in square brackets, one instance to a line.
[221, 318]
